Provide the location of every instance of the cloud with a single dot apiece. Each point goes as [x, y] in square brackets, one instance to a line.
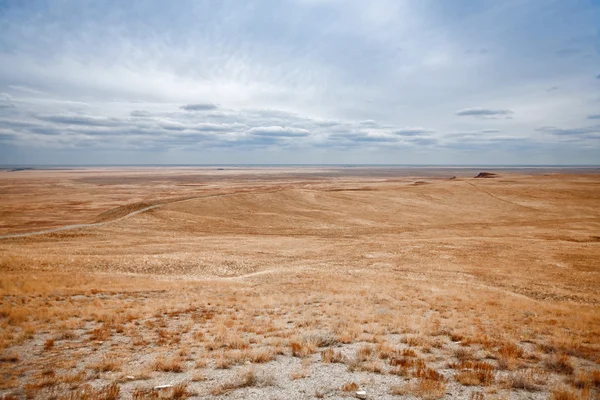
[278, 131]
[80, 120]
[6, 101]
[26, 89]
[368, 122]
[594, 116]
[598, 76]
[173, 125]
[385, 76]
[414, 131]
[210, 127]
[140, 114]
[583, 131]
[482, 112]
[359, 137]
[199, 107]
[423, 141]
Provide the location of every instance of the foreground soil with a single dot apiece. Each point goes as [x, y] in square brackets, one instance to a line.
[294, 284]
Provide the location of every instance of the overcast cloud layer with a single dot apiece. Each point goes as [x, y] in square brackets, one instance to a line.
[305, 81]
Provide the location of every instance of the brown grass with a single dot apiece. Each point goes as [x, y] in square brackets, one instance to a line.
[528, 379]
[567, 394]
[560, 363]
[412, 278]
[164, 364]
[331, 356]
[244, 378]
[302, 348]
[424, 388]
[474, 373]
[350, 387]
[108, 363]
[508, 355]
[180, 391]
[87, 392]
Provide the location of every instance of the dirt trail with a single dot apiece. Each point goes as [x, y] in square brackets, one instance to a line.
[77, 226]
[131, 214]
[499, 198]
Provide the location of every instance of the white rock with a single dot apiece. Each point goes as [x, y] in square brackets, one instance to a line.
[361, 394]
[162, 387]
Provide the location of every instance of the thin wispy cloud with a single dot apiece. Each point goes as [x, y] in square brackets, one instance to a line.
[199, 107]
[412, 131]
[299, 82]
[483, 112]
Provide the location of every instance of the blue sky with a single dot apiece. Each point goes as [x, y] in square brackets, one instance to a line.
[304, 81]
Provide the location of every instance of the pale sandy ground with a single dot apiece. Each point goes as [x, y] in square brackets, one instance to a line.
[236, 262]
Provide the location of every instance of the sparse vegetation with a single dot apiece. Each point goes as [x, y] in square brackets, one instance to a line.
[245, 378]
[206, 291]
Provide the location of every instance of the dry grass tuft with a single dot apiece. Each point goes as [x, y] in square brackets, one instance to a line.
[567, 394]
[261, 356]
[331, 356]
[429, 389]
[49, 344]
[463, 354]
[474, 373]
[9, 358]
[527, 379]
[477, 396]
[180, 391]
[245, 378]
[350, 387]
[426, 389]
[172, 364]
[87, 392]
[302, 348]
[508, 356]
[560, 363]
[108, 363]
[595, 378]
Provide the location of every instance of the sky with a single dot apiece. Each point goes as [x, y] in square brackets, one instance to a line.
[300, 82]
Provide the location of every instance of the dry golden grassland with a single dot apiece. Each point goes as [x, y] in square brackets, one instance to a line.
[313, 284]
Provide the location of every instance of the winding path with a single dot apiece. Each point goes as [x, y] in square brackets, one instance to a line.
[131, 214]
[77, 226]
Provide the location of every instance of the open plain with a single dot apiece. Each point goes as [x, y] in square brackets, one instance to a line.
[299, 283]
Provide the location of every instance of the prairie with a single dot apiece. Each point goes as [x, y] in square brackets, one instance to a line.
[300, 283]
